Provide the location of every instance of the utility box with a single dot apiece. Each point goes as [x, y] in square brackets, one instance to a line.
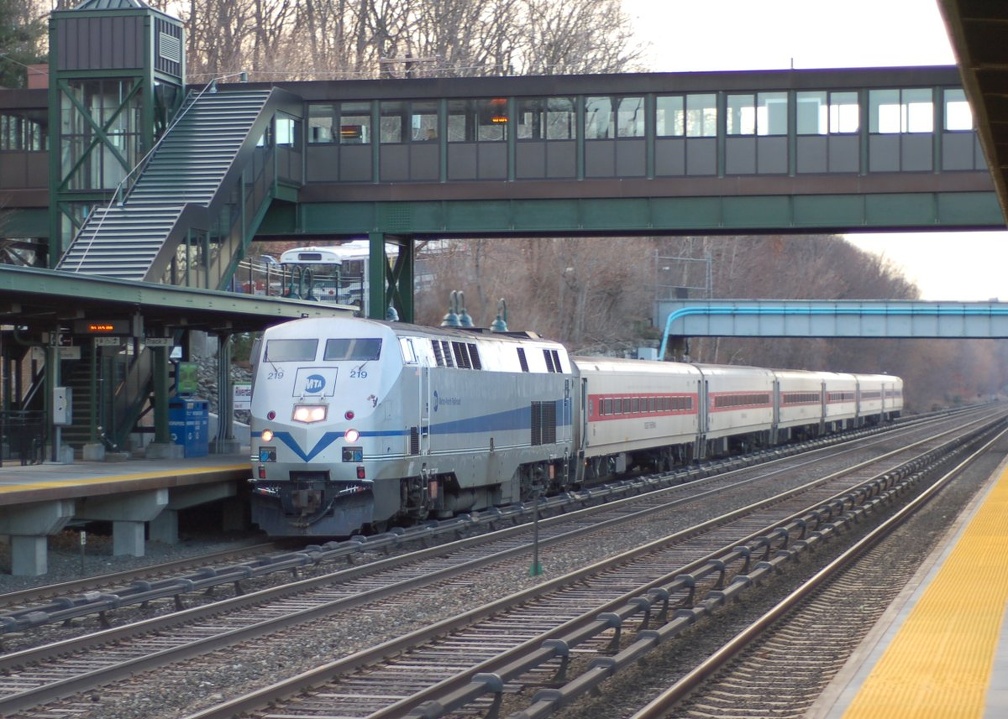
[189, 424]
[62, 406]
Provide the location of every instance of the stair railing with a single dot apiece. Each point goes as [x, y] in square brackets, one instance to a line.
[126, 184]
[254, 188]
[254, 194]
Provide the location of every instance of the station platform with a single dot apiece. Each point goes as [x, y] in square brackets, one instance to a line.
[35, 482]
[141, 497]
[941, 650]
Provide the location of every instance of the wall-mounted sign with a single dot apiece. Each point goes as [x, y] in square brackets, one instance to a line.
[187, 378]
[119, 328]
[242, 396]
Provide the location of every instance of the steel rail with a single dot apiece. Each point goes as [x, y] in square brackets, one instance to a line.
[668, 699]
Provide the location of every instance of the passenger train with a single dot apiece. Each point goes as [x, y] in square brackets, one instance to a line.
[358, 425]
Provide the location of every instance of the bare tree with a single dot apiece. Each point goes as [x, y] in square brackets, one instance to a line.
[578, 36]
[308, 39]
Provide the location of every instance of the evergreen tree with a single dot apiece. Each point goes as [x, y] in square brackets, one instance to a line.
[22, 35]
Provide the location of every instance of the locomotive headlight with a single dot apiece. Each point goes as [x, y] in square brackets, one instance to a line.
[309, 413]
[267, 435]
[351, 435]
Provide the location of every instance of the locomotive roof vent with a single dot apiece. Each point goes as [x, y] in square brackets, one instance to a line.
[451, 319]
[500, 324]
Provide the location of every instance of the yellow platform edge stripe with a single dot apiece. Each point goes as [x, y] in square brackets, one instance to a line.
[939, 663]
[85, 481]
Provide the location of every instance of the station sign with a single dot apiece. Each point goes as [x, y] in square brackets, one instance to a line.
[106, 327]
[107, 342]
[159, 342]
[241, 394]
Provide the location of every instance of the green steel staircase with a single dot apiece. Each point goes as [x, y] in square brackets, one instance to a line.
[190, 213]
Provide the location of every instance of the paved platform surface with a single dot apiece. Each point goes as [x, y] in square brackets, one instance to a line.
[52, 480]
[941, 650]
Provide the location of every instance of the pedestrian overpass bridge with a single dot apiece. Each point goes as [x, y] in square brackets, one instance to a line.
[820, 318]
[401, 160]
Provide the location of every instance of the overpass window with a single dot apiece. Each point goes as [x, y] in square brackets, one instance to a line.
[670, 116]
[549, 118]
[392, 121]
[844, 113]
[477, 120]
[900, 111]
[355, 123]
[286, 130]
[609, 117]
[764, 113]
[461, 121]
[701, 115]
[599, 118]
[741, 111]
[812, 113]
[833, 113]
[958, 115]
[321, 123]
[918, 110]
[21, 132]
[408, 122]
[423, 122]
[630, 117]
[493, 119]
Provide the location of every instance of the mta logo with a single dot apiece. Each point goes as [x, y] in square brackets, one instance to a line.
[314, 384]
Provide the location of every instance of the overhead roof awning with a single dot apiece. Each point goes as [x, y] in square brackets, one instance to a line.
[978, 30]
[42, 299]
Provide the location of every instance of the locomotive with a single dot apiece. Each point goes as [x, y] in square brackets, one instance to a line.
[358, 424]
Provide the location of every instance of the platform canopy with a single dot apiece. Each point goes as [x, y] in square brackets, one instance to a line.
[36, 298]
[977, 31]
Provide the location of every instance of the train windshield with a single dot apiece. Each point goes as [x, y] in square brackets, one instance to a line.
[359, 349]
[291, 350]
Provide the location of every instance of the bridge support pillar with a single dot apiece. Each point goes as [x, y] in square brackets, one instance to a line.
[164, 527]
[128, 514]
[391, 283]
[29, 527]
[29, 555]
[127, 539]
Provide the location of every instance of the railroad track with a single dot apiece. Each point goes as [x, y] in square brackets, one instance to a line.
[323, 605]
[779, 664]
[586, 612]
[32, 597]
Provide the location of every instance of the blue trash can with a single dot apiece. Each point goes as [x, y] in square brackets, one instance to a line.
[189, 424]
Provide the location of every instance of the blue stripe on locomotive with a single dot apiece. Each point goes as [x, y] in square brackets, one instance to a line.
[511, 420]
